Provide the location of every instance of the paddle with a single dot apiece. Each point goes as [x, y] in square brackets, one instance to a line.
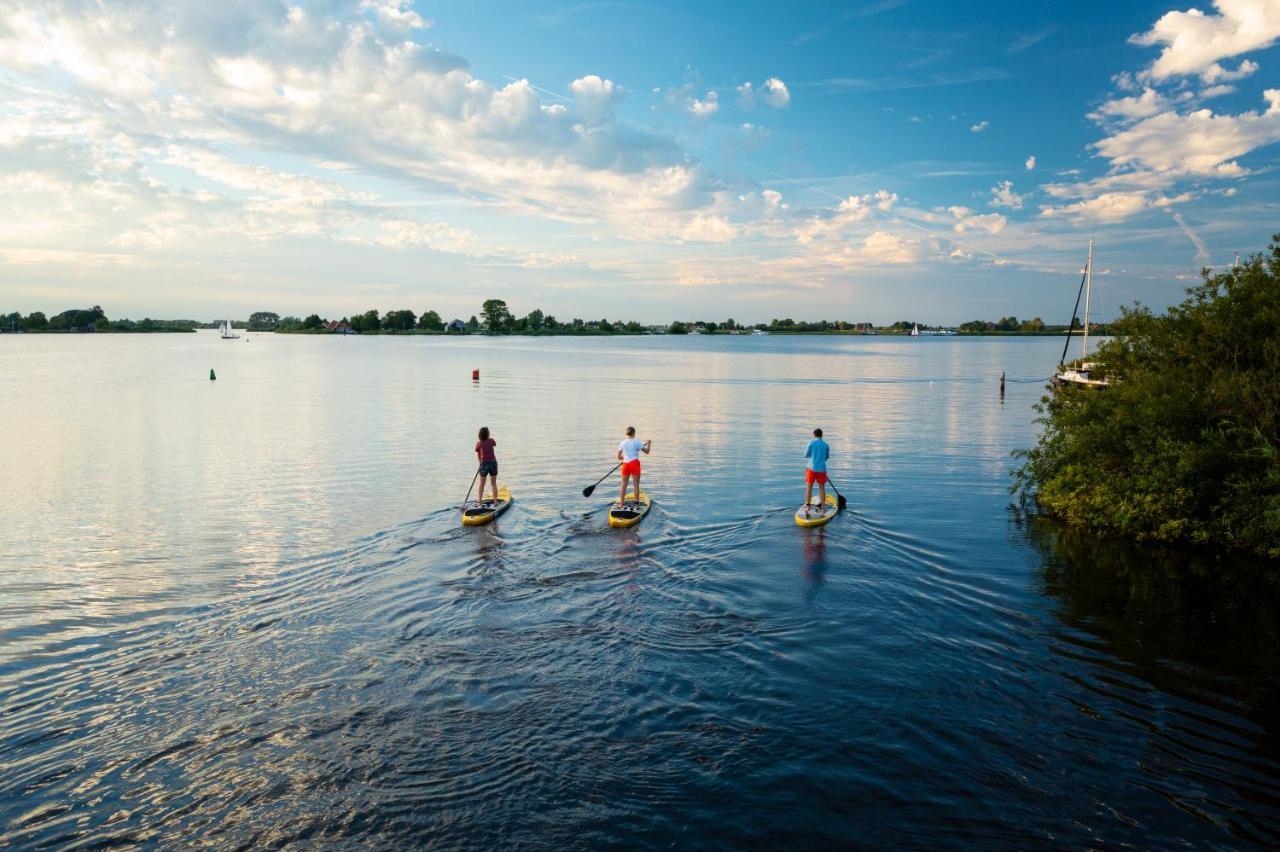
[586, 492]
[840, 501]
[467, 499]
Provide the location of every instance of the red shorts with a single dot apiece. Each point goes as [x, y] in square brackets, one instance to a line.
[631, 468]
[812, 476]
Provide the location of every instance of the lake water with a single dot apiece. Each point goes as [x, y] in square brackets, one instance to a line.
[243, 612]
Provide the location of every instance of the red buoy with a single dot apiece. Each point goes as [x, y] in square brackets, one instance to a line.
[475, 375]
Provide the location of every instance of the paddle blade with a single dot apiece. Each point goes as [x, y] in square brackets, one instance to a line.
[586, 492]
[841, 502]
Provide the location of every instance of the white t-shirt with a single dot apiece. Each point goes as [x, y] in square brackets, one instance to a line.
[630, 449]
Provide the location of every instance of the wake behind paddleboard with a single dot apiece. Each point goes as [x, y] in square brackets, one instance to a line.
[630, 513]
[479, 512]
[818, 515]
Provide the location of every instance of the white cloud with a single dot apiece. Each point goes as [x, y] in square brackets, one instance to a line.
[1031, 162]
[1107, 207]
[705, 107]
[967, 220]
[708, 228]
[1202, 255]
[396, 14]
[1198, 143]
[772, 92]
[1133, 107]
[979, 127]
[1194, 42]
[1002, 195]
[1217, 74]
[594, 97]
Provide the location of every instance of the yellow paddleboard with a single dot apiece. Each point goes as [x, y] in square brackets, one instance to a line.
[818, 516]
[480, 512]
[631, 512]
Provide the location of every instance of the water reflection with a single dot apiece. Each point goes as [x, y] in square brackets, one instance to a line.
[815, 561]
[1186, 645]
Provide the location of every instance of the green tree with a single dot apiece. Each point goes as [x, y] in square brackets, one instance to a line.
[35, 321]
[677, 327]
[1036, 324]
[473, 324]
[313, 322]
[1184, 446]
[365, 322]
[496, 315]
[550, 325]
[263, 321]
[399, 320]
[533, 322]
[430, 321]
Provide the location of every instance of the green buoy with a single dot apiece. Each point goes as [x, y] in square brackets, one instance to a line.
[212, 377]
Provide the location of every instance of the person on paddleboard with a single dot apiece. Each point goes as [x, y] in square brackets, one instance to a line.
[815, 470]
[488, 462]
[629, 454]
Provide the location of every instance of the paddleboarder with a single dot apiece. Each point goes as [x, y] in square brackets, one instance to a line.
[629, 454]
[817, 452]
[488, 462]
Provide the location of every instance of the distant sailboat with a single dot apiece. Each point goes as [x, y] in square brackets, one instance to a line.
[1078, 376]
[915, 330]
[228, 332]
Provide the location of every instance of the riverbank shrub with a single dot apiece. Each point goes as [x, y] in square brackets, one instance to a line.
[1185, 444]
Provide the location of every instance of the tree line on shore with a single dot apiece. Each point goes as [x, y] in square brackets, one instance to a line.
[495, 318]
[89, 319]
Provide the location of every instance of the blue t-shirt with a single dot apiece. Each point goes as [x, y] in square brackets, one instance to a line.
[817, 453]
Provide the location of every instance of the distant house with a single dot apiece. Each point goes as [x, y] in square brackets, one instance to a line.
[339, 327]
[456, 325]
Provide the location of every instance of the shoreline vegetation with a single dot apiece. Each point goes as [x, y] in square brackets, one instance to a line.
[1183, 447]
[495, 319]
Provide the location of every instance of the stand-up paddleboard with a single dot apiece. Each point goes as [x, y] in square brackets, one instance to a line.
[480, 512]
[631, 512]
[818, 515]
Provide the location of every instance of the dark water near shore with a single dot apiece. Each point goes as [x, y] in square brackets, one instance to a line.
[243, 613]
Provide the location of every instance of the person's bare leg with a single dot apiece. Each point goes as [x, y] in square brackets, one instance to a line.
[822, 492]
[808, 495]
[494, 480]
[622, 495]
[480, 493]
[637, 488]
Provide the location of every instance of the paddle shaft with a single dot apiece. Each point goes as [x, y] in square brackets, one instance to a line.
[467, 499]
[840, 501]
[586, 492]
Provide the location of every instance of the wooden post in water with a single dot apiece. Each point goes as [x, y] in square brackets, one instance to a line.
[1002, 384]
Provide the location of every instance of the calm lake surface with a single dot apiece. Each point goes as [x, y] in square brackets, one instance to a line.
[243, 612]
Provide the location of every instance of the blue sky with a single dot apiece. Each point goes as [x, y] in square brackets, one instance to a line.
[879, 160]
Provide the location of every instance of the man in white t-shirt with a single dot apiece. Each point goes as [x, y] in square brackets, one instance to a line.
[629, 454]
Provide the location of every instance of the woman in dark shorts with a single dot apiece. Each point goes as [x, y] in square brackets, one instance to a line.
[488, 462]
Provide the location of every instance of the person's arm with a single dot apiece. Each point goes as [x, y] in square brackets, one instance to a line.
[648, 446]
[619, 453]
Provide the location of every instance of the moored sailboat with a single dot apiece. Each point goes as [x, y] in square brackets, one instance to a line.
[1079, 375]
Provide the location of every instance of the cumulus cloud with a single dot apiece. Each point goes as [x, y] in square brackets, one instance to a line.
[967, 220]
[1199, 143]
[1107, 207]
[1031, 162]
[1002, 195]
[336, 81]
[594, 97]
[772, 93]
[1194, 42]
[705, 107]
[979, 127]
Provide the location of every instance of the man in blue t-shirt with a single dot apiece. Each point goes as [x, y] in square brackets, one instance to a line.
[817, 453]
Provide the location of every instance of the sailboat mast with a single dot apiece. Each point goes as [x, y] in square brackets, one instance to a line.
[1088, 287]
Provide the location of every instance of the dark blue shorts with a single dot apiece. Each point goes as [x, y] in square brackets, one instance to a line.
[489, 468]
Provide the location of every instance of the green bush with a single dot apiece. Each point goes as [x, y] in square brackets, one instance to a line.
[1185, 444]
